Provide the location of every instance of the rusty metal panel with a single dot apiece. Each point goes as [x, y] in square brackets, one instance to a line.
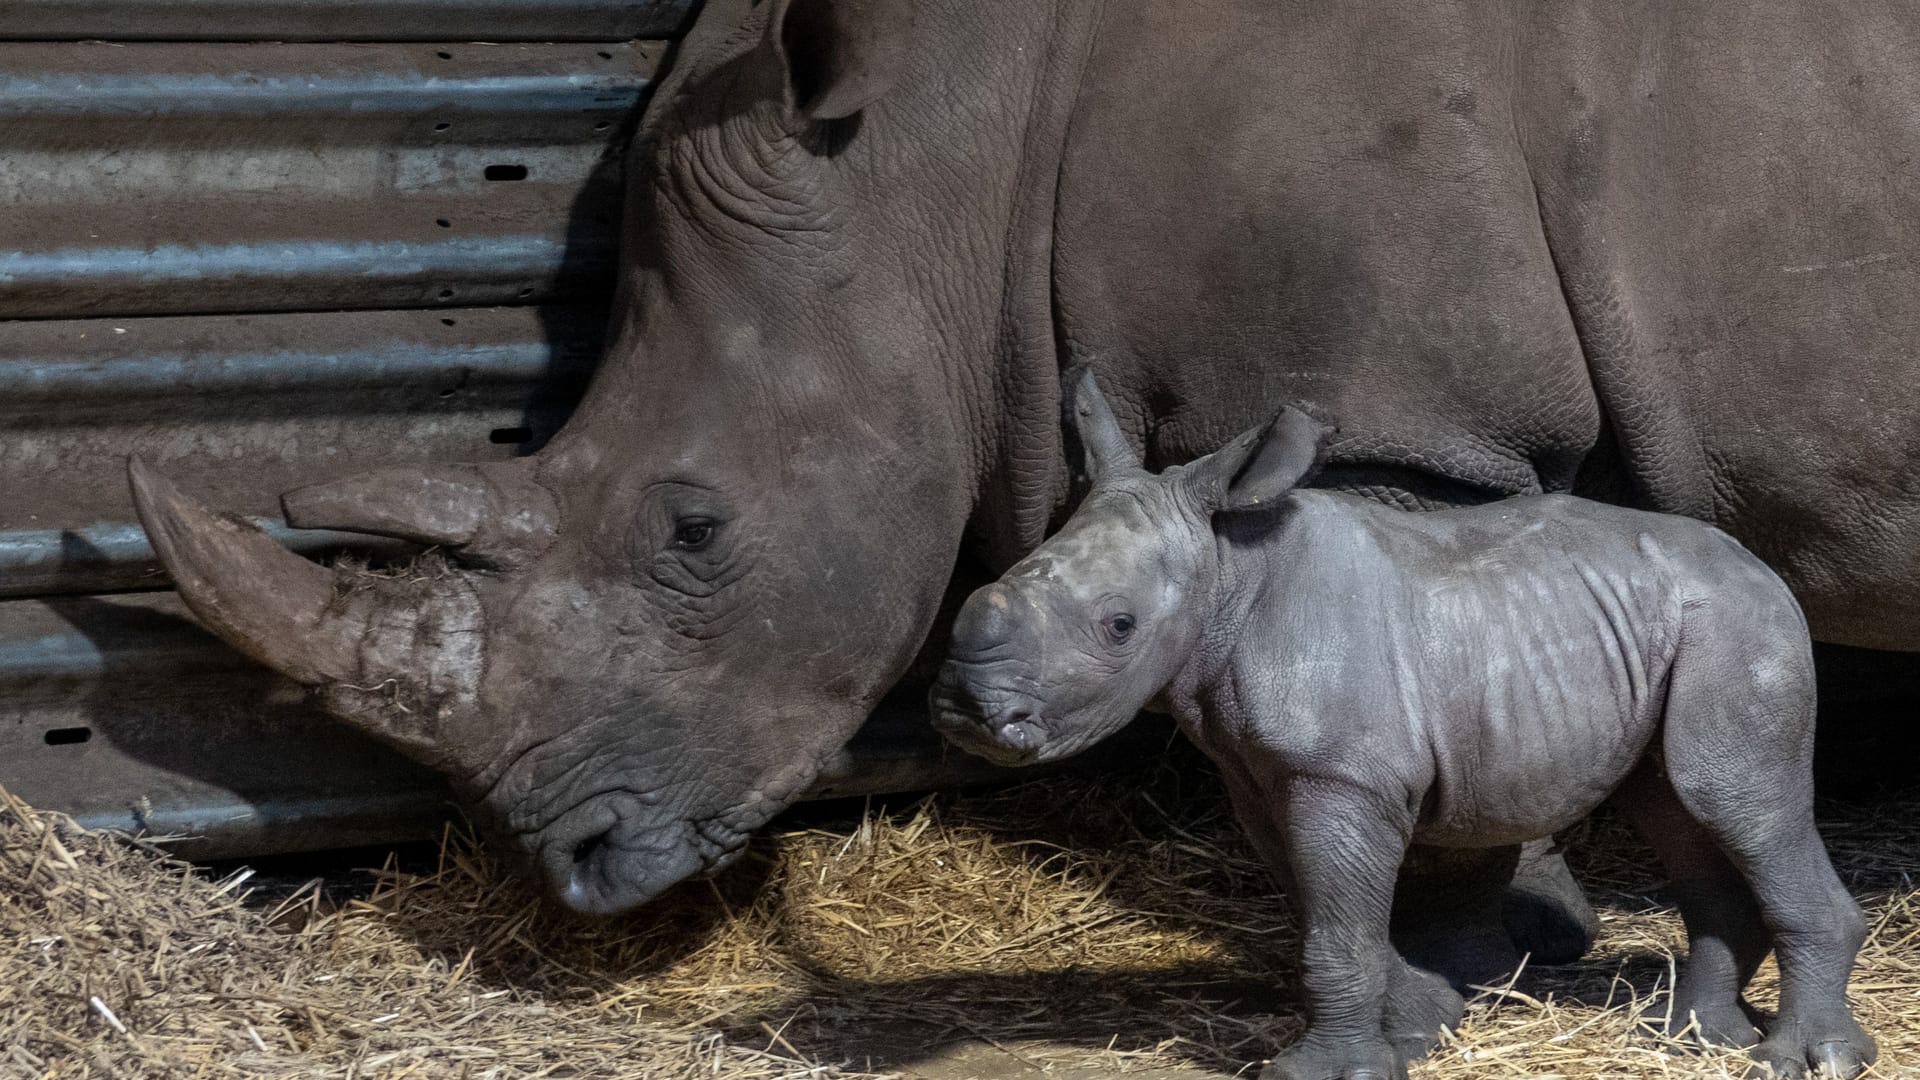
[167, 179]
[243, 407]
[261, 266]
[341, 20]
[124, 713]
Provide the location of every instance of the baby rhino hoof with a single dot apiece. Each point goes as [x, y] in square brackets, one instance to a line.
[1356, 1060]
[1834, 1047]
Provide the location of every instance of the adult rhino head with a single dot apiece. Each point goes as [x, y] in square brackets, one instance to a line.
[652, 634]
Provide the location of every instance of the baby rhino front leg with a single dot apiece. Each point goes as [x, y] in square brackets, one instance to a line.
[1343, 849]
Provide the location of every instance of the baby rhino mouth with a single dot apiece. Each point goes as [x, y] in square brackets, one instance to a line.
[1003, 726]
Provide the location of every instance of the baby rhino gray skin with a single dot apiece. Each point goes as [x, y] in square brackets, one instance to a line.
[1368, 678]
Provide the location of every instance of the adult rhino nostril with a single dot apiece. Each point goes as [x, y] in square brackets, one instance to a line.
[616, 850]
[583, 881]
[1009, 718]
[581, 868]
[583, 851]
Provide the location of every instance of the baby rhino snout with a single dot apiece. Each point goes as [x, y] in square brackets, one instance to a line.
[978, 702]
[999, 725]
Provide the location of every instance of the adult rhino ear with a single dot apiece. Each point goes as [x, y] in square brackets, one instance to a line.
[841, 55]
[1109, 454]
[1257, 469]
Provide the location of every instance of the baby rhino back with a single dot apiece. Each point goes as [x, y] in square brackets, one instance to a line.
[1545, 632]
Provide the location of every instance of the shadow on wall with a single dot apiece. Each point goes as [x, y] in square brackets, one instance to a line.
[576, 329]
[579, 330]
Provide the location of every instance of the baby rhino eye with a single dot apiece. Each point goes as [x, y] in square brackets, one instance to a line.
[1120, 627]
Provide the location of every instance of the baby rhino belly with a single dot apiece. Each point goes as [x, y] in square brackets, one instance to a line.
[1535, 750]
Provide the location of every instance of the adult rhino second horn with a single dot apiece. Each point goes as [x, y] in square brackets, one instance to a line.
[495, 515]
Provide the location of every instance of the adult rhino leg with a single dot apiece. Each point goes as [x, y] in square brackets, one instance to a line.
[1447, 909]
[1470, 914]
[1546, 912]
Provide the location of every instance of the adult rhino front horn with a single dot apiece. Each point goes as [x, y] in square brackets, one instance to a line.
[397, 658]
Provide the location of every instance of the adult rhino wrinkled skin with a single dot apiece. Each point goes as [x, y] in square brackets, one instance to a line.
[1658, 254]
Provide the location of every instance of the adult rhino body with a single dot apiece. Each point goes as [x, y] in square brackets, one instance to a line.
[1655, 253]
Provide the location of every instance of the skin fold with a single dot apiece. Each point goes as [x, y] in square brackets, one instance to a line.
[1368, 679]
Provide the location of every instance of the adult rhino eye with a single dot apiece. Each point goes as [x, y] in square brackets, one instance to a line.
[692, 534]
[1120, 627]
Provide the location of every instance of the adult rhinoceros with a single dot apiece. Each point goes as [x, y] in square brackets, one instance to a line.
[1652, 252]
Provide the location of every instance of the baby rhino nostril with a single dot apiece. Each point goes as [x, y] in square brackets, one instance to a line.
[583, 851]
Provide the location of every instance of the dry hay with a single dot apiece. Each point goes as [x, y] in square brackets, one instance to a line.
[1069, 927]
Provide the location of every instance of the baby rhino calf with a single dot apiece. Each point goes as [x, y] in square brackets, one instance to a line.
[1367, 678]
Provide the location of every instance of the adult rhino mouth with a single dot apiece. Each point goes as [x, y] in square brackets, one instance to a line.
[607, 839]
[613, 854]
[603, 859]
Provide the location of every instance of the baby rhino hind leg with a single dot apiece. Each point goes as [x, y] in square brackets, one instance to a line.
[1726, 936]
[1739, 758]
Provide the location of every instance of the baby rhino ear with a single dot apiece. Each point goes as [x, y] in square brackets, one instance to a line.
[1256, 470]
[1109, 454]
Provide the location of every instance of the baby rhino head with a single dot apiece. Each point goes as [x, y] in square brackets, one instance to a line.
[1082, 634]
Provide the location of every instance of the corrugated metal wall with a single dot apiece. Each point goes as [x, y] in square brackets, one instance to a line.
[262, 243]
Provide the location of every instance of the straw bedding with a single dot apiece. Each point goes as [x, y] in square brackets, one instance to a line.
[1069, 927]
